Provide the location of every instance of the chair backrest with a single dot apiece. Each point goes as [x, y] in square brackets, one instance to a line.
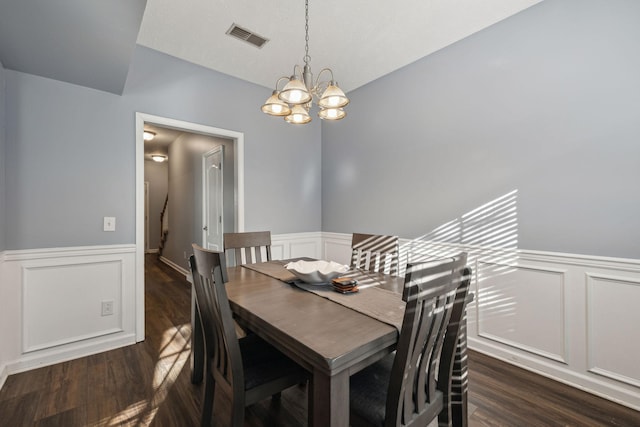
[251, 244]
[221, 342]
[375, 253]
[435, 293]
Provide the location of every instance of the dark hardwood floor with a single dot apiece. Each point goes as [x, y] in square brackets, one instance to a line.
[148, 384]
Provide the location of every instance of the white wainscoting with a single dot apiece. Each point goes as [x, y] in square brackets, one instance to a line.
[569, 317]
[337, 247]
[4, 322]
[507, 309]
[294, 245]
[612, 305]
[572, 318]
[52, 304]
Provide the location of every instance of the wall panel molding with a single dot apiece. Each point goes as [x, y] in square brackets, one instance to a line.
[52, 298]
[612, 313]
[62, 300]
[507, 307]
[293, 245]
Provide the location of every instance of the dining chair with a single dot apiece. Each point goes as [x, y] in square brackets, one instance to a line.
[412, 386]
[376, 253]
[247, 370]
[251, 244]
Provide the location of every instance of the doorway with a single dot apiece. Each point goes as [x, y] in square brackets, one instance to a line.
[237, 139]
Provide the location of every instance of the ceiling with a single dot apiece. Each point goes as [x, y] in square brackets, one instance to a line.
[360, 40]
[87, 43]
[91, 43]
[161, 141]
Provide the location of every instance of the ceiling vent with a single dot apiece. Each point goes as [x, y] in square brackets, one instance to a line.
[246, 35]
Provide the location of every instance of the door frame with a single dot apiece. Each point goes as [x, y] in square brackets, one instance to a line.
[238, 148]
[146, 217]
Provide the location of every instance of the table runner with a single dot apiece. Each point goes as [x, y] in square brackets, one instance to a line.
[273, 269]
[380, 304]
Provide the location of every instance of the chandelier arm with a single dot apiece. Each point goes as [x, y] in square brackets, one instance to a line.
[280, 79]
[318, 83]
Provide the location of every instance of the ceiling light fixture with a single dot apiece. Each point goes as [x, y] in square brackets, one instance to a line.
[295, 99]
[159, 158]
[147, 135]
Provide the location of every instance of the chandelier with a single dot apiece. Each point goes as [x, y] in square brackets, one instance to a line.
[295, 99]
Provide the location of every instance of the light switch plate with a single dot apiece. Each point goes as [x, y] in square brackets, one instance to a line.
[109, 223]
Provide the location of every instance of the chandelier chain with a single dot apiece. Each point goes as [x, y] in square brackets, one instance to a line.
[306, 58]
[295, 99]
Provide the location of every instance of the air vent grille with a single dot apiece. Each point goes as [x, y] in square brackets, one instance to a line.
[246, 35]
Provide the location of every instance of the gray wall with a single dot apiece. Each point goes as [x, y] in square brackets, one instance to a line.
[157, 175]
[185, 193]
[70, 152]
[546, 103]
[2, 158]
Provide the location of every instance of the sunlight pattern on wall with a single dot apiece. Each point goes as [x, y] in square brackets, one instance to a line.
[489, 235]
[489, 231]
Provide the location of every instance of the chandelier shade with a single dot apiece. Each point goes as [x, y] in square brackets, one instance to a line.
[299, 115]
[332, 113]
[333, 97]
[296, 98]
[295, 92]
[275, 106]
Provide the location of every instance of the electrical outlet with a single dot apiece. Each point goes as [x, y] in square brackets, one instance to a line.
[107, 308]
[109, 223]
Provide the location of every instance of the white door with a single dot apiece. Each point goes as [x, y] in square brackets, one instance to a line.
[212, 201]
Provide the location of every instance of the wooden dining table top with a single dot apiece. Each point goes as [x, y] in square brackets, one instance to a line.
[317, 332]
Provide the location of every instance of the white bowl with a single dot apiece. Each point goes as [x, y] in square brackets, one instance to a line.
[316, 271]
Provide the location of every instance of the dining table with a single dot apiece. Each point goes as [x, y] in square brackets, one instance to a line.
[331, 335]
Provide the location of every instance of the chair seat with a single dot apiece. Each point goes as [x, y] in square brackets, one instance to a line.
[368, 394]
[264, 364]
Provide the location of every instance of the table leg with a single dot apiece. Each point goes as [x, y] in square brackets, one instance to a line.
[197, 342]
[329, 402]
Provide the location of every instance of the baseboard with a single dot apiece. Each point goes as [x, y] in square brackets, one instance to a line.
[58, 355]
[579, 381]
[175, 266]
[152, 251]
[4, 374]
